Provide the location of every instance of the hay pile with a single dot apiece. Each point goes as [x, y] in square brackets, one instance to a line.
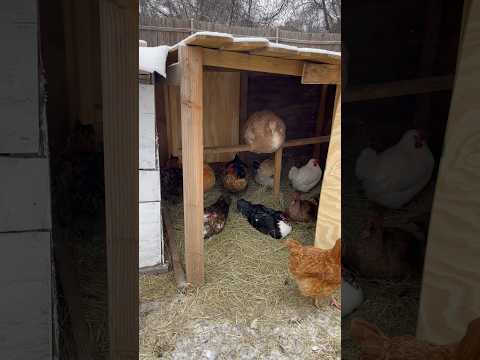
[249, 307]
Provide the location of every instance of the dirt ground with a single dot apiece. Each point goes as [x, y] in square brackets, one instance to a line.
[249, 307]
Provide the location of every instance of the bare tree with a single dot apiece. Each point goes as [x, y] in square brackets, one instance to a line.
[303, 15]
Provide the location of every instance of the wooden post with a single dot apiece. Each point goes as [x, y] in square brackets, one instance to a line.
[320, 119]
[191, 95]
[119, 65]
[278, 171]
[329, 208]
[450, 296]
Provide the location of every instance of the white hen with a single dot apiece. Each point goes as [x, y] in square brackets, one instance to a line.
[305, 178]
[392, 178]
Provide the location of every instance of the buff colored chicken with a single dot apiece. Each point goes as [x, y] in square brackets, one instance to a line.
[316, 271]
[375, 345]
[208, 178]
[264, 132]
[264, 172]
[392, 178]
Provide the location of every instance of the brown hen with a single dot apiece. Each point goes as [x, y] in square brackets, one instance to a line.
[375, 345]
[316, 271]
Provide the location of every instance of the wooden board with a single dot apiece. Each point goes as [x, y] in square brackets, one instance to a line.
[221, 112]
[25, 307]
[25, 195]
[221, 99]
[450, 296]
[329, 222]
[208, 40]
[319, 56]
[18, 85]
[277, 51]
[320, 74]
[150, 235]
[191, 93]
[119, 66]
[398, 88]
[247, 44]
[241, 61]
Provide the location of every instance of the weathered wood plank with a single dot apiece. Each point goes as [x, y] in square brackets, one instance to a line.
[191, 94]
[278, 171]
[329, 225]
[221, 112]
[247, 44]
[320, 74]
[25, 195]
[277, 51]
[119, 65]
[398, 88]
[450, 296]
[241, 61]
[25, 307]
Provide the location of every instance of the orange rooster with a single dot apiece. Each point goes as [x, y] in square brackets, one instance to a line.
[316, 271]
[375, 345]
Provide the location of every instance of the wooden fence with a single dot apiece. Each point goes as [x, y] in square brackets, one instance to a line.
[168, 31]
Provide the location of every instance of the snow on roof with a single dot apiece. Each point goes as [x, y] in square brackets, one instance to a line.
[228, 42]
[152, 59]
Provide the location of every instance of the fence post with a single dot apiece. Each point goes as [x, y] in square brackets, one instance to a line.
[276, 35]
[191, 26]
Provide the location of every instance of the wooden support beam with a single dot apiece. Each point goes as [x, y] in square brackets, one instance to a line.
[306, 141]
[398, 88]
[450, 295]
[244, 147]
[321, 117]
[278, 171]
[191, 95]
[172, 246]
[329, 227]
[320, 74]
[119, 65]
[241, 61]
[174, 74]
[427, 60]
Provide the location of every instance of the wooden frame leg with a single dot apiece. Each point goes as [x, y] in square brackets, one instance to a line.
[320, 119]
[278, 171]
[329, 208]
[119, 64]
[191, 95]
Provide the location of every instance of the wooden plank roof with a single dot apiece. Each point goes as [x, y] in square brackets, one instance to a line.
[258, 46]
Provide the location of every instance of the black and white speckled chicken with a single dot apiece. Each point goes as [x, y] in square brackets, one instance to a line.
[268, 221]
[215, 216]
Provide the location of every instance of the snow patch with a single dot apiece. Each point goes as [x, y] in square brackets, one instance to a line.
[152, 59]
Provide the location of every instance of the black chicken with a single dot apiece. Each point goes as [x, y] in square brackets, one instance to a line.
[268, 221]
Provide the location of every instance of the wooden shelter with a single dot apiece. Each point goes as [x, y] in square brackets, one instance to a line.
[203, 97]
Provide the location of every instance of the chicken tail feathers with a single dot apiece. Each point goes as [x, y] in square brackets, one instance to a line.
[365, 163]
